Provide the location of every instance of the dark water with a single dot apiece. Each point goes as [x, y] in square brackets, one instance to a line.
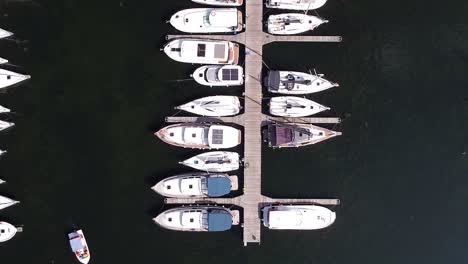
[83, 154]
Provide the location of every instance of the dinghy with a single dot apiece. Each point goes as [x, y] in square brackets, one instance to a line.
[295, 4]
[221, 105]
[3, 61]
[291, 82]
[202, 51]
[208, 20]
[9, 78]
[220, 2]
[214, 161]
[291, 135]
[5, 34]
[200, 136]
[6, 202]
[292, 106]
[216, 75]
[79, 246]
[291, 24]
[196, 184]
[198, 219]
[297, 217]
[7, 231]
[4, 110]
[5, 125]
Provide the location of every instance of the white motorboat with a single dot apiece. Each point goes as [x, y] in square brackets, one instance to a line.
[4, 110]
[297, 217]
[292, 135]
[291, 82]
[5, 125]
[5, 34]
[208, 20]
[6, 202]
[220, 105]
[292, 106]
[200, 136]
[295, 4]
[291, 24]
[196, 184]
[217, 75]
[8, 78]
[220, 2]
[3, 61]
[7, 231]
[198, 219]
[203, 51]
[214, 161]
[79, 246]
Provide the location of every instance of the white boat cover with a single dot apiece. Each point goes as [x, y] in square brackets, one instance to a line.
[5, 34]
[8, 78]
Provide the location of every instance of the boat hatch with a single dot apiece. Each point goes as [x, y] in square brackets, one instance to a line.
[219, 51]
[217, 136]
[272, 81]
[218, 186]
[230, 74]
[201, 50]
[219, 221]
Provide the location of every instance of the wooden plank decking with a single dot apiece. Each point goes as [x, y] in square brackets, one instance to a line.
[240, 119]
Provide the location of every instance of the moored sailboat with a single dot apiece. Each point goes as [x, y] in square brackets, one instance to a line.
[297, 217]
[220, 2]
[5, 34]
[295, 4]
[6, 202]
[292, 23]
[220, 105]
[5, 125]
[214, 161]
[292, 106]
[9, 78]
[291, 82]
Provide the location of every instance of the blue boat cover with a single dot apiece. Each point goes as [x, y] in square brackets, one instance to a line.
[219, 221]
[218, 186]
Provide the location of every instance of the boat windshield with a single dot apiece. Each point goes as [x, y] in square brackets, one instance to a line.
[206, 18]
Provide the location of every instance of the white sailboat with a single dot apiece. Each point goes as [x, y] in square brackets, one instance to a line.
[3, 61]
[7, 231]
[79, 246]
[5, 125]
[214, 161]
[291, 82]
[297, 217]
[217, 75]
[220, 2]
[203, 51]
[292, 106]
[9, 78]
[6, 202]
[292, 23]
[5, 34]
[220, 105]
[295, 4]
[4, 109]
[208, 20]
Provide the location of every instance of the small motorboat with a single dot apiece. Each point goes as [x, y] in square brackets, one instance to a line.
[214, 161]
[208, 20]
[297, 217]
[295, 4]
[79, 246]
[291, 24]
[198, 219]
[202, 51]
[4, 110]
[216, 75]
[220, 2]
[9, 78]
[292, 106]
[5, 125]
[220, 105]
[3, 61]
[6, 202]
[196, 184]
[291, 82]
[5, 34]
[7, 231]
[290, 135]
[200, 136]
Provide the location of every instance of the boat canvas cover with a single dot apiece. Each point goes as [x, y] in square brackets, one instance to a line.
[76, 243]
[272, 81]
[223, 18]
[218, 186]
[230, 74]
[279, 135]
[219, 221]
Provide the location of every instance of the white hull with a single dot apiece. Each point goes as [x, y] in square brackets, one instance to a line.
[219, 2]
[2, 181]
[79, 246]
[5, 125]
[3, 61]
[221, 105]
[291, 82]
[202, 51]
[208, 20]
[5, 34]
[297, 217]
[291, 106]
[291, 24]
[214, 161]
[2, 152]
[8, 231]
[6, 202]
[4, 110]
[9, 78]
[295, 4]
[216, 75]
[293, 135]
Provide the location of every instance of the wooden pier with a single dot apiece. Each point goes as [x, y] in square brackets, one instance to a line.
[252, 199]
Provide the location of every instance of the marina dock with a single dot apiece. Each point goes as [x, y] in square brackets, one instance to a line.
[252, 199]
